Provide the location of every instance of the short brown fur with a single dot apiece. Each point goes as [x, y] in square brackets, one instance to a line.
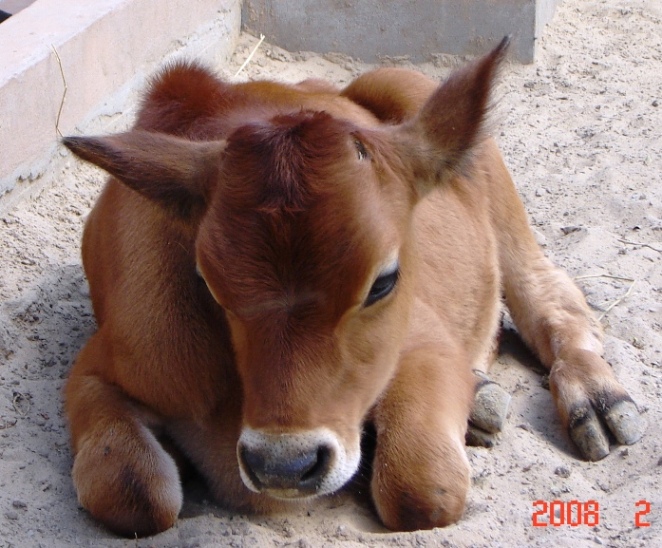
[273, 265]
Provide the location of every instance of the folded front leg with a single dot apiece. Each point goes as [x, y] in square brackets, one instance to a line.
[122, 474]
[421, 472]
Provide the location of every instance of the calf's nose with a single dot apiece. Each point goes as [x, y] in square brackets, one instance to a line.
[289, 473]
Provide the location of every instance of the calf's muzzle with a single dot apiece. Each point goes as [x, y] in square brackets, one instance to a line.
[293, 465]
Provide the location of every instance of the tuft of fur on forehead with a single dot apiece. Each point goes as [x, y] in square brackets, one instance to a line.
[276, 165]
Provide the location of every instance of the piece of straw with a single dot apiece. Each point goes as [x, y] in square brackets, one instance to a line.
[250, 56]
[64, 93]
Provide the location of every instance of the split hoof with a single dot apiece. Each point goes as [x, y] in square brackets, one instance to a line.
[587, 430]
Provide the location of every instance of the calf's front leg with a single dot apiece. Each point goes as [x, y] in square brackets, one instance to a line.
[553, 318]
[122, 474]
[420, 471]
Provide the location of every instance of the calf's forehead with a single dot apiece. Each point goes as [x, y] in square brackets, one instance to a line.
[331, 249]
[299, 211]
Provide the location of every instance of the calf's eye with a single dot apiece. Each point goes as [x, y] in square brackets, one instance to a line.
[383, 285]
[361, 151]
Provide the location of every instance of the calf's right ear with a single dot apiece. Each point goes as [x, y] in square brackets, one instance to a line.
[177, 174]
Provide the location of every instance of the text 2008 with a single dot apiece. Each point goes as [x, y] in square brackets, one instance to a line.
[573, 513]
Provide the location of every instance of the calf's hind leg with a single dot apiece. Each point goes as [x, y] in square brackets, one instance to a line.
[122, 474]
[553, 318]
[421, 474]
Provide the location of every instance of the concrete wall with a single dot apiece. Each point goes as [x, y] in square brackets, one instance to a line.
[371, 29]
[107, 49]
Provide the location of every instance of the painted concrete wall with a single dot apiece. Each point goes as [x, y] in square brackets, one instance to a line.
[373, 29]
[107, 49]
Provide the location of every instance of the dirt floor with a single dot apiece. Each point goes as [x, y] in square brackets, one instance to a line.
[580, 130]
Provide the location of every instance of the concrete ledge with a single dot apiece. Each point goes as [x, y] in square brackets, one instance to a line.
[107, 49]
[418, 29]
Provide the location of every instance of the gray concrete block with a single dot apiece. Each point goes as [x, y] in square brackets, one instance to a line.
[107, 49]
[373, 29]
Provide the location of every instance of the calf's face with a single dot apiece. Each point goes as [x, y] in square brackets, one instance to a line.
[304, 246]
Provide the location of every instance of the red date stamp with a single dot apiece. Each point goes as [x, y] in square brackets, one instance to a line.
[574, 513]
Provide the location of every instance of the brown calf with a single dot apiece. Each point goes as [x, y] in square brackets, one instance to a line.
[274, 266]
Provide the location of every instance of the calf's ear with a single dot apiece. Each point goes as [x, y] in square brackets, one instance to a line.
[175, 173]
[452, 121]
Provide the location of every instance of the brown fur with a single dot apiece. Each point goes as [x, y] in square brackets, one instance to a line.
[290, 201]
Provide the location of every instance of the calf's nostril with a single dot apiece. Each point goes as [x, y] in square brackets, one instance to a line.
[253, 463]
[319, 467]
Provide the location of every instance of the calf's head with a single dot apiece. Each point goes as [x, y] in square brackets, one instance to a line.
[303, 237]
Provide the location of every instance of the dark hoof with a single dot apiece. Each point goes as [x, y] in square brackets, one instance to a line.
[587, 427]
[476, 437]
[588, 434]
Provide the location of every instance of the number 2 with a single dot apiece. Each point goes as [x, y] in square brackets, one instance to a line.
[638, 515]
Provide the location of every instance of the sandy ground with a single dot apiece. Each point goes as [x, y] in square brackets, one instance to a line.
[580, 130]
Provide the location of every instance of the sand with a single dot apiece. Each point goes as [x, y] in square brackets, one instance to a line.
[580, 130]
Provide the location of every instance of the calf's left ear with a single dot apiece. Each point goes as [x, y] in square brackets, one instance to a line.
[452, 121]
[175, 173]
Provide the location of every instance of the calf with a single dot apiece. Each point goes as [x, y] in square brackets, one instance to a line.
[274, 266]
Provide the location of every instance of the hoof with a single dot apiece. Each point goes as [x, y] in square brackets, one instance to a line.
[586, 426]
[490, 407]
[588, 434]
[476, 437]
[625, 422]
